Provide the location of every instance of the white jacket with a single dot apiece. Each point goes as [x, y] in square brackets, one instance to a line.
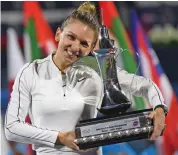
[55, 104]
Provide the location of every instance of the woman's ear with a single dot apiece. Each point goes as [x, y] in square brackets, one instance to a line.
[57, 35]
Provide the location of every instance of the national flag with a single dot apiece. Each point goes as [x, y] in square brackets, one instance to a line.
[113, 22]
[151, 68]
[15, 58]
[38, 34]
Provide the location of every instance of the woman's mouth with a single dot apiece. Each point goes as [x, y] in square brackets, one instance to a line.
[70, 54]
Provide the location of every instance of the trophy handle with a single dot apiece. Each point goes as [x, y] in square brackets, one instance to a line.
[137, 69]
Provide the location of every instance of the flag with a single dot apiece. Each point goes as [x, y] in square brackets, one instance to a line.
[15, 59]
[151, 68]
[113, 22]
[38, 34]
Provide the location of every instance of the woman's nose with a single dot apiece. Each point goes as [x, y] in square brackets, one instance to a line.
[76, 47]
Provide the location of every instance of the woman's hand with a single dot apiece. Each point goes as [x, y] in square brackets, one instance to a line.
[158, 117]
[67, 139]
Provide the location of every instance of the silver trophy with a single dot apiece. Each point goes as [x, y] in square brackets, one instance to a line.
[117, 125]
[114, 99]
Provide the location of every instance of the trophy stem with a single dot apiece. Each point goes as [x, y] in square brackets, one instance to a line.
[114, 101]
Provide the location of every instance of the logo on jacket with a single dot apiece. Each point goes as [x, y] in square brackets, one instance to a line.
[81, 79]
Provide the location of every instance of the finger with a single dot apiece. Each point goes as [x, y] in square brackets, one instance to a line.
[75, 147]
[151, 115]
[154, 135]
[84, 150]
[158, 127]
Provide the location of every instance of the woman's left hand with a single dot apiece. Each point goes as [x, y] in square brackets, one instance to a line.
[158, 117]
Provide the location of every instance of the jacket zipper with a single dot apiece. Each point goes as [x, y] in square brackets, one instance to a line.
[64, 85]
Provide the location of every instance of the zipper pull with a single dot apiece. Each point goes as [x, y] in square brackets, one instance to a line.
[64, 81]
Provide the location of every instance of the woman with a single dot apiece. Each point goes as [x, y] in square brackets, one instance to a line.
[58, 94]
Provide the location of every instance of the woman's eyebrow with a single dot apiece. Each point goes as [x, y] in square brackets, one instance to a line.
[72, 33]
[76, 37]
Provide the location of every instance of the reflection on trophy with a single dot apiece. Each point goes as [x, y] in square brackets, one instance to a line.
[114, 100]
[117, 125]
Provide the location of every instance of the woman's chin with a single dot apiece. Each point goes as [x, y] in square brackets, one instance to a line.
[70, 61]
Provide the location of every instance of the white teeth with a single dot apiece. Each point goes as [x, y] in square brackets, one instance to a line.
[70, 53]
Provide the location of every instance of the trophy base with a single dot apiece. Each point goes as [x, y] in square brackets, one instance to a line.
[114, 110]
[111, 130]
[111, 141]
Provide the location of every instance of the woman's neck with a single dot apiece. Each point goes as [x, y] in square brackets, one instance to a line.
[61, 65]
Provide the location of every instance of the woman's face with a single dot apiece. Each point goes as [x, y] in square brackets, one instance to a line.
[76, 39]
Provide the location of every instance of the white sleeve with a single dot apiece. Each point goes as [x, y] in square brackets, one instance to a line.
[140, 86]
[15, 127]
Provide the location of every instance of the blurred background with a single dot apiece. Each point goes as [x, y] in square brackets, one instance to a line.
[149, 28]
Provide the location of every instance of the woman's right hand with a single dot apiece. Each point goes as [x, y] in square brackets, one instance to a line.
[67, 139]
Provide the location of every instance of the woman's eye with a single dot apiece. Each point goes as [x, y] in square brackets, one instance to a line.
[71, 37]
[84, 44]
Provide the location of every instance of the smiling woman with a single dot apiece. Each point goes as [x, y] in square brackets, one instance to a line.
[73, 43]
[77, 36]
[55, 92]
